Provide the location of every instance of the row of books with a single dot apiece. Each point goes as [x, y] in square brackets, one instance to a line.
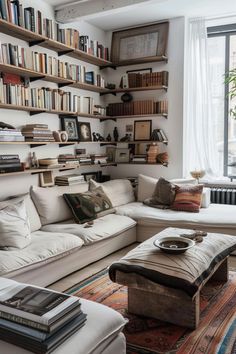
[69, 180]
[37, 319]
[90, 159]
[10, 163]
[46, 64]
[37, 132]
[32, 19]
[159, 135]
[11, 135]
[132, 80]
[136, 108]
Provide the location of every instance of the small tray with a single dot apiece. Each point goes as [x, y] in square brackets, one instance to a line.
[174, 244]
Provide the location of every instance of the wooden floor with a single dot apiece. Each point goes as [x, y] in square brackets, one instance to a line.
[77, 277]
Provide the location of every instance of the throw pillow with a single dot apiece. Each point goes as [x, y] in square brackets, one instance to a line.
[146, 187]
[188, 198]
[89, 205]
[14, 226]
[163, 195]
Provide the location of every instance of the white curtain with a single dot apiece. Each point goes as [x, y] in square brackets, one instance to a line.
[199, 145]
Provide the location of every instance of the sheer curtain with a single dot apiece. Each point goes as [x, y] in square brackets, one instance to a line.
[199, 145]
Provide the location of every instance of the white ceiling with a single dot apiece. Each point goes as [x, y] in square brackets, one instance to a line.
[144, 13]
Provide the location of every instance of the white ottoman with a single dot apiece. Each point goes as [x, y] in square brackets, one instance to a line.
[101, 334]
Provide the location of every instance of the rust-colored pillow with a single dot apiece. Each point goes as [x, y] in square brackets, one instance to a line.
[188, 197]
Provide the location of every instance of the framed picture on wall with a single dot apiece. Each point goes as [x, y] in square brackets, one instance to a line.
[139, 44]
[84, 131]
[91, 175]
[142, 130]
[70, 125]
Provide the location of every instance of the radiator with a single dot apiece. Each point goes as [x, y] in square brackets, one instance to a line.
[223, 195]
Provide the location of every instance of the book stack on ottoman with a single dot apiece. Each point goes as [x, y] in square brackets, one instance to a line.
[35, 318]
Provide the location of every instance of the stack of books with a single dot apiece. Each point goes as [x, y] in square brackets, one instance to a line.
[139, 158]
[68, 159]
[132, 80]
[10, 163]
[37, 319]
[97, 159]
[11, 135]
[37, 132]
[136, 108]
[159, 135]
[69, 180]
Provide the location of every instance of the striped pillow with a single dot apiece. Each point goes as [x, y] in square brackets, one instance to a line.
[188, 197]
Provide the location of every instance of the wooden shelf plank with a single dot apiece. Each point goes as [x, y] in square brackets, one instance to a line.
[19, 32]
[130, 142]
[153, 59]
[85, 115]
[38, 170]
[12, 69]
[21, 108]
[88, 87]
[133, 89]
[37, 143]
[79, 54]
[165, 115]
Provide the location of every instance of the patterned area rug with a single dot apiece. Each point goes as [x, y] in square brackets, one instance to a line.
[216, 333]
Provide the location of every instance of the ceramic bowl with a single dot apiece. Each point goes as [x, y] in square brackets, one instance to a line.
[174, 244]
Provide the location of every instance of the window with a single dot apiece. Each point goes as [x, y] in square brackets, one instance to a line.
[222, 58]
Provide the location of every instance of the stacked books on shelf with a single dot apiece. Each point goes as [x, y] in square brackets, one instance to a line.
[11, 135]
[98, 110]
[32, 19]
[68, 159]
[135, 108]
[37, 132]
[139, 158]
[132, 80]
[14, 90]
[84, 159]
[159, 135]
[69, 180]
[10, 163]
[97, 159]
[37, 319]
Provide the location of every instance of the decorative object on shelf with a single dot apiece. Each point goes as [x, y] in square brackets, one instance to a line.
[108, 138]
[33, 161]
[94, 136]
[142, 130]
[110, 151]
[60, 135]
[122, 155]
[80, 151]
[125, 138]
[163, 158]
[91, 175]
[4, 125]
[197, 174]
[115, 134]
[84, 131]
[46, 179]
[126, 97]
[129, 128]
[70, 126]
[100, 137]
[139, 44]
[159, 135]
[110, 86]
[152, 153]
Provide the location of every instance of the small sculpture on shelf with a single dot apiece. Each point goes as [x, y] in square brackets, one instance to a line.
[94, 137]
[115, 134]
[33, 161]
[108, 138]
[125, 138]
[100, 137]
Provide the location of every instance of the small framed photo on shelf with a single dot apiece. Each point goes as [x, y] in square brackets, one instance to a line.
[122, 155]
[142, 130]
[139, 44]
[84, 131]
[70, 125]
[91, 175]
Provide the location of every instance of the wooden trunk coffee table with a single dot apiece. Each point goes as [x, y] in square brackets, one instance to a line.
[152, 297]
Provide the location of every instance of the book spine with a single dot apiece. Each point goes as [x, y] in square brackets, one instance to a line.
[23, 321]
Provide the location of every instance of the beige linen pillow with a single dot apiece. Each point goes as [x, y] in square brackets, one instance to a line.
[146, 187]
[50, 203]
[14, 226]
[119, 191]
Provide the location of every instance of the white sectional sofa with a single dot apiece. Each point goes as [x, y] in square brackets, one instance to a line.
[59, 246]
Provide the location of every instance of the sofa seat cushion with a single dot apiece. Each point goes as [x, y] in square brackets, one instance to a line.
[216, 215]
[45, 247]
[107, 226]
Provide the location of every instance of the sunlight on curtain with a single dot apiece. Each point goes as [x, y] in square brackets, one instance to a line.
[199, 144]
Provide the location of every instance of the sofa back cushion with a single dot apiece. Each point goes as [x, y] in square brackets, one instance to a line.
[34, 219]
[14, 226]
[119, 191]
[50, 203]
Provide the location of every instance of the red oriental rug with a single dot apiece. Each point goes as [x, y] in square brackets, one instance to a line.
[216, 333]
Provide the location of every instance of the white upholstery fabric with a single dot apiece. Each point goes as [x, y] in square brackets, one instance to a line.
[217, 216]
[184, 180]
[14, 226]
[102, 327]
[107, 226]
[206, 198]
[119, 191]
[33, 215]
[146, 187]
[44, 247]
[50, 203]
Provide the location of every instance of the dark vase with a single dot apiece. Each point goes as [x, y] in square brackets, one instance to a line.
[115, 134]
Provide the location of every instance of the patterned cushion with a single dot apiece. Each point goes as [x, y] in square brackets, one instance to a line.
[163, 195]
[188, 198]
[89, 205]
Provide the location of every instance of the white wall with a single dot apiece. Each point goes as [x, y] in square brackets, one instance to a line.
[12, 185]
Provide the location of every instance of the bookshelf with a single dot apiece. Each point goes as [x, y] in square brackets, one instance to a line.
[33, 144]
[134, 89]
[33, 171]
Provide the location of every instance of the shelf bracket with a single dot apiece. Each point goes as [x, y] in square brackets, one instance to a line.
[33, 113]
[32, 79]
[64, 52]
[104, 119]
[106, 93]
[36, 145]
[64, 84]
[66, 144]
[36, 42]
[107, 66]
[107, 143]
